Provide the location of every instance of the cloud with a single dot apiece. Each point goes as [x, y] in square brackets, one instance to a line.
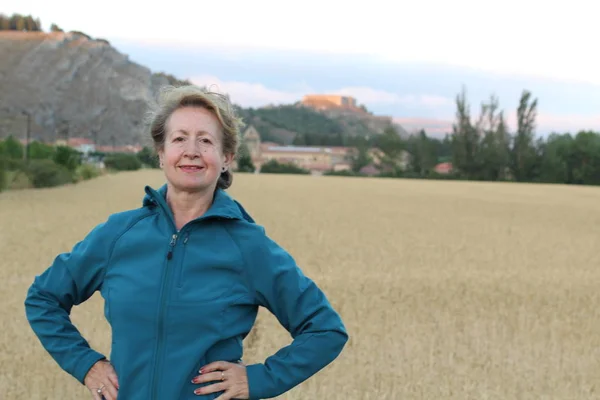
[248, 94]
[369, 96]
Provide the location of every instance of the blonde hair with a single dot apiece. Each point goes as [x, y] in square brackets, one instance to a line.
[171, 98]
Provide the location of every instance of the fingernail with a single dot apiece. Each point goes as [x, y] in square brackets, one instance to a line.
[200, 371]
[197, 391]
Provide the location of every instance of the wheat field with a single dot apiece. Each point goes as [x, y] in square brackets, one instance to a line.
[449, 290]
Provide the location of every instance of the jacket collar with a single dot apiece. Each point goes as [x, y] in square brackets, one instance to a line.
[223, 205]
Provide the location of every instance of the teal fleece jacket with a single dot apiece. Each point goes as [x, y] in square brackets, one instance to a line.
[177, 300]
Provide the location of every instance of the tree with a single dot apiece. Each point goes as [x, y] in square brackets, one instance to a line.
[524, 156]
[12, 148]
[392, 148]
[586, 154]
[424, 153]
[148, 157]
[245, 163]
[67, 157]
[359, 157]
[495, 145]
[465, 140]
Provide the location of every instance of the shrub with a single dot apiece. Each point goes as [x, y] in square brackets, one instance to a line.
[123, 162]
[67, 157]
[47, 173]
[148, 157]
[87, 171]
[274, 167]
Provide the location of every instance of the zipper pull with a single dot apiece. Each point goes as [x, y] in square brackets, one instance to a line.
[171, 245]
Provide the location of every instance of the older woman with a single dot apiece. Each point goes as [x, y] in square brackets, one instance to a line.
[182, 277]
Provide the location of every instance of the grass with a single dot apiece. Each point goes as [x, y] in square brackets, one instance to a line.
[450, 290]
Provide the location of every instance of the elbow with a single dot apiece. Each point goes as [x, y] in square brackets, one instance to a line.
[339, 339]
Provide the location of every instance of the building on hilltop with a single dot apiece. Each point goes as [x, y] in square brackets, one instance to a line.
[328, 101]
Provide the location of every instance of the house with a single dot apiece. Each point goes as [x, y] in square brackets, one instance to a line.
[443, 168]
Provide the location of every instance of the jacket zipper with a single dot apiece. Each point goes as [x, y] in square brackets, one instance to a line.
[180, 264]
[158, 357]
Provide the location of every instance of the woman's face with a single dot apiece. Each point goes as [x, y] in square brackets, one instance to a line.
[192, 156]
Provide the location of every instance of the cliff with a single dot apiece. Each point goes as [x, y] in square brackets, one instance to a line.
[72, 86]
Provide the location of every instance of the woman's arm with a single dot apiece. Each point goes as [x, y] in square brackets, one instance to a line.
[318, 332]
[71, 279]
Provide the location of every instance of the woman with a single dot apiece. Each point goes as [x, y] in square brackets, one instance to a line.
[182, 277]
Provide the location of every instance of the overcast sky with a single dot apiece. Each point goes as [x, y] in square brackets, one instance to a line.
[404, 59]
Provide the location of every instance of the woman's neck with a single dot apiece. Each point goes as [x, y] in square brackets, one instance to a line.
[187, 206]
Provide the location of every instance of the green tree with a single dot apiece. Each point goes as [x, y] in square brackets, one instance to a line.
[12, 148]
[524, 156]
[465, 141]
[244, 163]
[393, 147]
[122, 162]
[558, 163]
[495, 145]
[360, 157]
[40, 151]
[148, 157]
[586, 149]
[424, 154]
[67, 157]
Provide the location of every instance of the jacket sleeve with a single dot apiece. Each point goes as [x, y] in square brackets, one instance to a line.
[318, 332]
[70, 280]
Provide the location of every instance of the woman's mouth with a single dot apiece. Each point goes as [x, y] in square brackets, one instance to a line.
[191, 168]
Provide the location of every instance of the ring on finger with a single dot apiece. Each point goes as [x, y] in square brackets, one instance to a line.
[100, 389]
[222, 375]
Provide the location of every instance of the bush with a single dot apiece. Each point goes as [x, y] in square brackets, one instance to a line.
[274, 167]
[67, 157]
[123, 162]
[47, 173]
[87, 171]
[12, 164]
[148, 157]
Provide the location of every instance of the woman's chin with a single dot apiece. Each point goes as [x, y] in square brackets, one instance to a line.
[191, 183]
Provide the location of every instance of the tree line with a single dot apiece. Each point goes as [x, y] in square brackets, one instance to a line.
[18, 22]
[483, 148]
[27, 23]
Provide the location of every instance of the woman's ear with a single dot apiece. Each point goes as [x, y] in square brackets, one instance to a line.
[160, 158]
[227, 161]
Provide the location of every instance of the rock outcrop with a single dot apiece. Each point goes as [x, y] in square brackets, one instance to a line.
[73, 86]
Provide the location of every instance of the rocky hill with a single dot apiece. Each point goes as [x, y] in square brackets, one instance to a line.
[75, 86]
[72, 86]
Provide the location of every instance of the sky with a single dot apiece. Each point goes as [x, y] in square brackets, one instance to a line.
[405, 59]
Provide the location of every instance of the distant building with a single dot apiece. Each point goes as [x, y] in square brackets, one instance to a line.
[443, 168]
[316, 159]
[326, 101]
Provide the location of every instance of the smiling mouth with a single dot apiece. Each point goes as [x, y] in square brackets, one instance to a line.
[191, 168]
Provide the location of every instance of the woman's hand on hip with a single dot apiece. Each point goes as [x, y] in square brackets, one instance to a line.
[102, 380]
[230, 378]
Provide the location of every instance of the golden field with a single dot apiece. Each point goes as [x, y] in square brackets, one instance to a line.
[449, 290]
